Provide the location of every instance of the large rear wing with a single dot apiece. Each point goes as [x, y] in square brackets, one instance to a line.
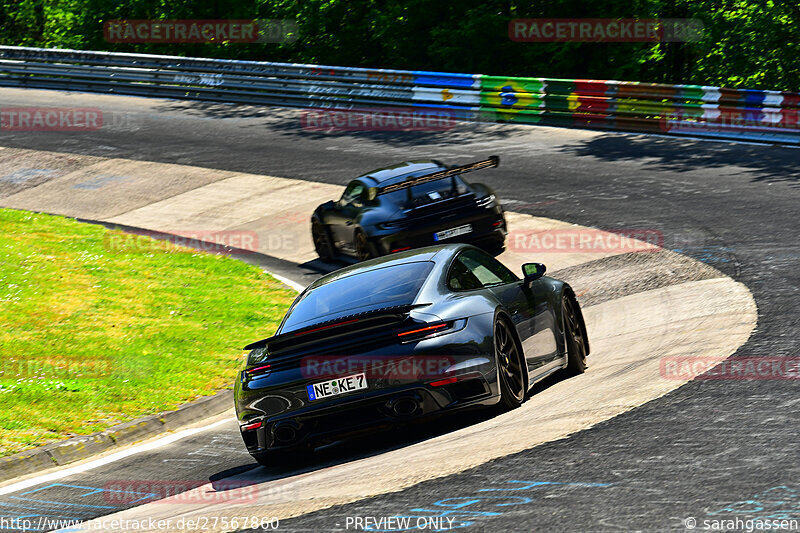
[493, 161]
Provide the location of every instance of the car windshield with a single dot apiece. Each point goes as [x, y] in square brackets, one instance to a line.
[429, 192]
[383, 287]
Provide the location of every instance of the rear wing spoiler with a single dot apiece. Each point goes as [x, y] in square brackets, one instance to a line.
[493, 161]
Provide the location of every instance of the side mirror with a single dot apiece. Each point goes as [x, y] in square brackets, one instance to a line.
[533, 271]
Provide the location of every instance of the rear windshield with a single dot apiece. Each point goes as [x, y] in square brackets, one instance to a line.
[429, 192]
[382, 287]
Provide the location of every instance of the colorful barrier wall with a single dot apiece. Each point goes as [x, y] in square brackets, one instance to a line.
[769, 116]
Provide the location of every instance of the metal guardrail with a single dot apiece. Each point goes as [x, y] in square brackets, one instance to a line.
[694, 110]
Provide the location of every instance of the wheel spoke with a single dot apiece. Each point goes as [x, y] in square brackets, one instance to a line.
[362, 251]
[574, 333]
[507, 343]
[571, 317]
[509, 362]
[321, 244]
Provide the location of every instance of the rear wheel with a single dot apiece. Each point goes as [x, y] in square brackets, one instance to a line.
[496, 246]
[322, 242]
[576, 343]
[510, 364]
[363, 249]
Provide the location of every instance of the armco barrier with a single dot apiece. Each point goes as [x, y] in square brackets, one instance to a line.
[770, 116]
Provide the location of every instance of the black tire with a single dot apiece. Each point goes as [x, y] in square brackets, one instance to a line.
[322, 241]
[363, 249]
[576, 343]
[495, 247]
[513, 376]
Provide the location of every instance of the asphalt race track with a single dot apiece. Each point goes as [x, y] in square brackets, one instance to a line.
[709, 450]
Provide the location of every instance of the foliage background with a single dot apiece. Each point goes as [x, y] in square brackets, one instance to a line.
[748, 43]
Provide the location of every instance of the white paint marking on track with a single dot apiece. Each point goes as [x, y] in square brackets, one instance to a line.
[286, 281]
[91, 465]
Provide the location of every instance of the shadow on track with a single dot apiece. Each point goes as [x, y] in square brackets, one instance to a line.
[764, 163]
[289, 122]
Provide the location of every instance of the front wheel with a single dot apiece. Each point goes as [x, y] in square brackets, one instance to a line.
[322, 242]
[511, 367]
[363, 249]
[576, 343]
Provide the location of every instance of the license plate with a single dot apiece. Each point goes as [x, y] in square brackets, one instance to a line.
[452, 232]
[335, 387]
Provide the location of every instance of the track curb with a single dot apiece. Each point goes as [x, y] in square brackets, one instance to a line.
[78, 448]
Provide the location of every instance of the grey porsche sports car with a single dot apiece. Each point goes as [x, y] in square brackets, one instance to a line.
[412, 334]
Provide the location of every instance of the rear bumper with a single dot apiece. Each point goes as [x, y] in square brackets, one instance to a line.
[404, 381]
[365, 413]
[488, 229]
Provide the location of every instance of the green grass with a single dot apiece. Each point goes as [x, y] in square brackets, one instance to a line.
[92, 334]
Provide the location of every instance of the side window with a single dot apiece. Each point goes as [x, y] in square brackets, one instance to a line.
[461, 279]
[353, 194]
[474, 266]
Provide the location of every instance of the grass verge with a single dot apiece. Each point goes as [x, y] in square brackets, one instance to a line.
[92, 335]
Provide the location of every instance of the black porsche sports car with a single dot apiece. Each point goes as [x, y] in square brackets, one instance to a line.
[412, 334]
[409, 205]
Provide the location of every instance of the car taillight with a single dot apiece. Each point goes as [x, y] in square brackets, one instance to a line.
[454, 379]
[254, 425]
[425, 331]
[257, 371]
[442, 382]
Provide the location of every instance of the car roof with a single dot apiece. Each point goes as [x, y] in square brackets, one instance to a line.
[381, 175]
[440, 253]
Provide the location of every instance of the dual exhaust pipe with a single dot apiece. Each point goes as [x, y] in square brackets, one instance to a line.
[404, 406]
[287, 432]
